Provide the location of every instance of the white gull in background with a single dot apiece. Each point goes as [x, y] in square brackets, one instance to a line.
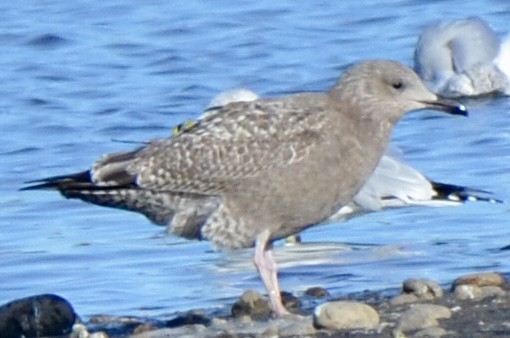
[463, 58]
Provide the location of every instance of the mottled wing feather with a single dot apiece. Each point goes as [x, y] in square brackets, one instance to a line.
[243, 140]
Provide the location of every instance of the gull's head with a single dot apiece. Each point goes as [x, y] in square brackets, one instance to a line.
[388, 90]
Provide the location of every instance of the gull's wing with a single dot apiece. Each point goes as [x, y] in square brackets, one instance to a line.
[227, 146]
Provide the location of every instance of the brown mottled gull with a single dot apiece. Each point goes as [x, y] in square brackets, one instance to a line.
[259, 171]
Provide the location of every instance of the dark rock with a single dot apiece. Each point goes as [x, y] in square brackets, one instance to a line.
[36, 316]
[317, 292]
[291, 302]
[252, 304]
[190, 318]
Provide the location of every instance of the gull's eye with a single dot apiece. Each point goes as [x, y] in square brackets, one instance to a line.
[398, 85]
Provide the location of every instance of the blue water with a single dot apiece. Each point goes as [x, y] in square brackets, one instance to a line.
[77, 76]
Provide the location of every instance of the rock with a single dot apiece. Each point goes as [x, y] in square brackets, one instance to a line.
[474, 292]
[189, 318]
[422, 316]
[98, 335]
[271, 332]
[422, 288]
[480, 280]
[37, 316]
[291, 302]
[251, 303]
[81, 331]
[317, 292]
[298, 327]
[144, 328]
[431, 332]
[414, 290]
[404, 298]
[188, 331]
[492, 291]
[108, 320]
[342, 315]
[464, 292]
[479, 286]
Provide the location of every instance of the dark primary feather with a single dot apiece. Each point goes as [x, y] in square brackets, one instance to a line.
[454, 192]
[61, 182]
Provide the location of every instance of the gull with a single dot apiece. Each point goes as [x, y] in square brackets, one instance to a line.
[258, 171]
[463, 58]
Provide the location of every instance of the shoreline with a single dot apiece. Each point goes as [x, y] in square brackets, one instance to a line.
[476, 305]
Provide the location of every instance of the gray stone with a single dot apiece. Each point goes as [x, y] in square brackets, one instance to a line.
[404, 298]
[342, 315]
[464, 292]
[422, 316]
[492, 291]
[431, 332]
[422, 288]
[414, 290]
[298, 327]
[188, 331]
[273, 331]
[475, 292]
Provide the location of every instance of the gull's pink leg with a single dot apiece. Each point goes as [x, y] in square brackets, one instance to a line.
[266, 266]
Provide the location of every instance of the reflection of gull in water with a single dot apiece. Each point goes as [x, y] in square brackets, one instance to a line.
[463, 58]
[317, 253]
[392, 184]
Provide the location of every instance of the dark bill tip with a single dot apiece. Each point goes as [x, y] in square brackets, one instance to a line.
[448, 106]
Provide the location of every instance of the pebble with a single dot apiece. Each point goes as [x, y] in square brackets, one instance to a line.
[480, 280]
[341, 315]
[299, 326]
[422, 316]
[190, 331]
[317, 292]
[189, 318]
[423, 288]
[474, 292]
[479, 286]
[251, 303]
[291, 302]
[414, 290]
[431, 332]
[81, 331]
